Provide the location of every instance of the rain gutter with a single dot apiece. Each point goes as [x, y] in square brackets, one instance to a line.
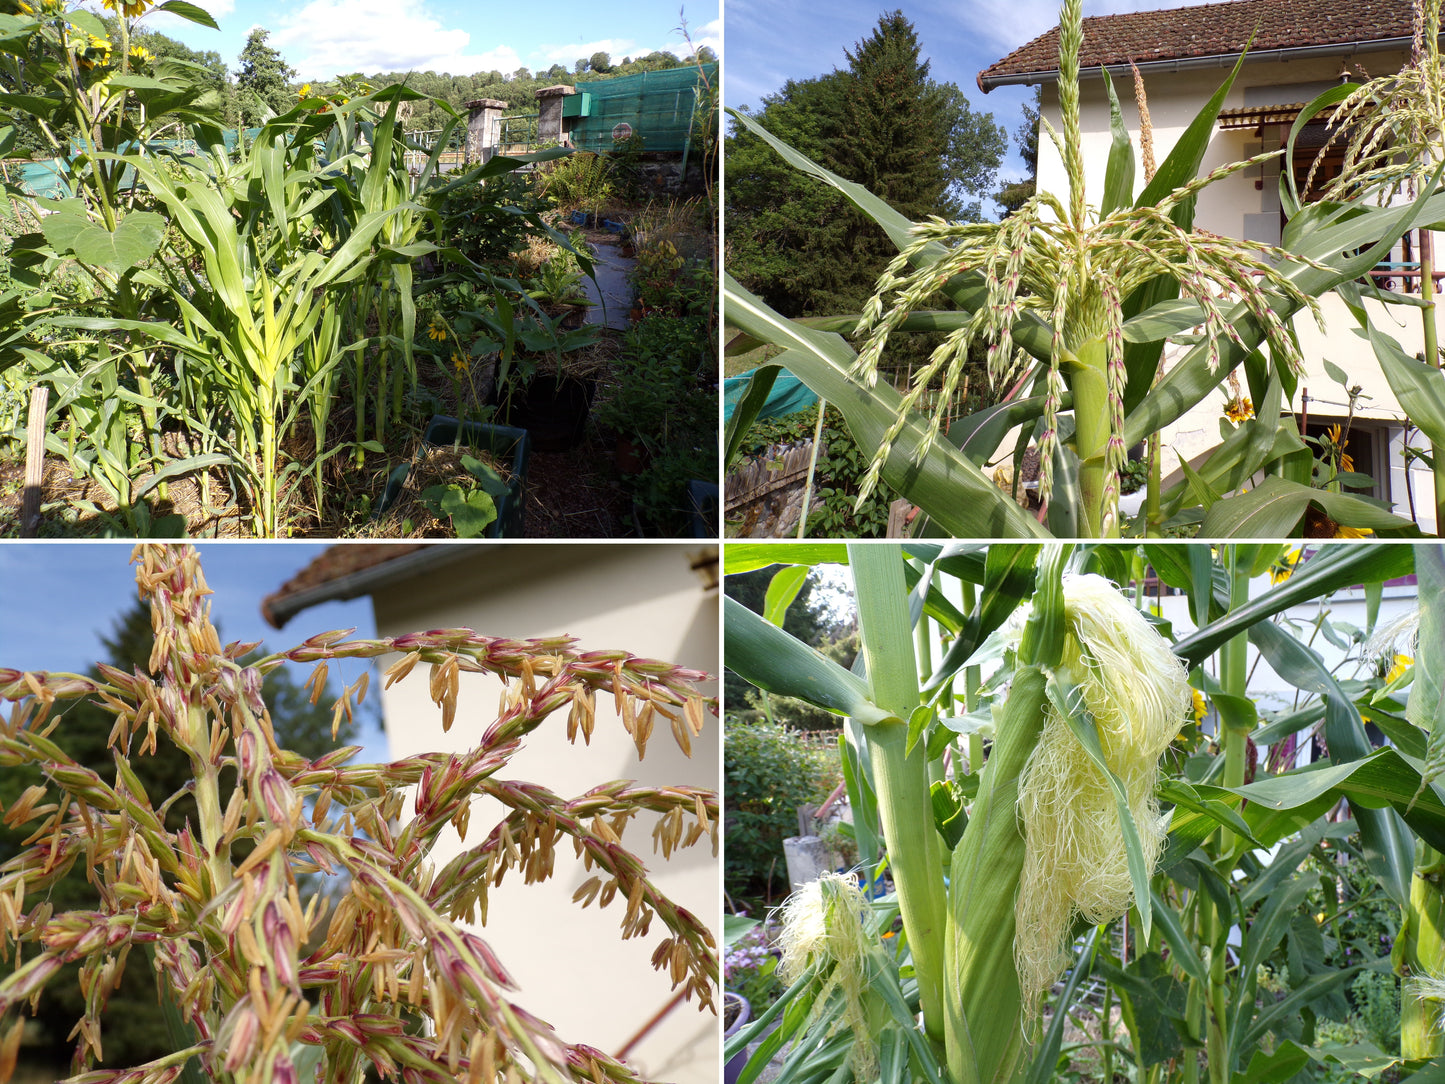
[1198, 63]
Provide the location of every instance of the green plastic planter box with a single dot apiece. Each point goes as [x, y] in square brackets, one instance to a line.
[511, 446]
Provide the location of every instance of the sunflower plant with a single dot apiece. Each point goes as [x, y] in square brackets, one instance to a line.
[263, 982]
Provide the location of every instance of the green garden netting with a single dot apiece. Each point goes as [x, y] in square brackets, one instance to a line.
[656, 105]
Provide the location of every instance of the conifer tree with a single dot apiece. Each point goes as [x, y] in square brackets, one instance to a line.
[264, 80]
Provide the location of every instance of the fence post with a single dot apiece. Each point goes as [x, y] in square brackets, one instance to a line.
[484, 129]
[549, 112]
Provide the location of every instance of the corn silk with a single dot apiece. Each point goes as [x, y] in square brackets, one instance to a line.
[1075, 862]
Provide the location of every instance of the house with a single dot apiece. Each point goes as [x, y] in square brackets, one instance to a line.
[1299, 49]
[658, 601]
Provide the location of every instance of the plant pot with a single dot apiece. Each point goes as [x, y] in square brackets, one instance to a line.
[553, 410]
[509, 444]
[741, 1011]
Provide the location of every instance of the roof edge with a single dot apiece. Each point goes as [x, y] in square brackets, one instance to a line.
[987, 83]
[362, 582]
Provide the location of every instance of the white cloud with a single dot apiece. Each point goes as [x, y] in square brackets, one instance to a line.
[328, 37]
[566, 55]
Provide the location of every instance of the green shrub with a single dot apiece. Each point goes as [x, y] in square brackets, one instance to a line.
[581, 180]
[1376, 996]
[769, 774]
[840, 471]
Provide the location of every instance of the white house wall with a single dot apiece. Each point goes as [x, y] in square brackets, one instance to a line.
[1247, 205]
[571, 966]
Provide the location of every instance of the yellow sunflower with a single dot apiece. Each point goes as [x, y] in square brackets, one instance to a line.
[142, 54]
[463, 365]
[129, 8]
[1282, 569]
[1398, 668]
[1352, 532]
[96, 51]
[436, 331]
[1337, 445]
[1239, 409]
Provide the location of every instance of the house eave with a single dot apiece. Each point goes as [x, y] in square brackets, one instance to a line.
[987, 83]
[278, 611]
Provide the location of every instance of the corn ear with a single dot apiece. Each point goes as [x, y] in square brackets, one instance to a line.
[984, 1028]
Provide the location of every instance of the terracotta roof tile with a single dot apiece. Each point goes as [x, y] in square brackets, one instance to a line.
[1212, 30]
[333, 563]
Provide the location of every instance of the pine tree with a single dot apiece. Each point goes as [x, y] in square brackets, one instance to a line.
[883, 122]
[263, 83]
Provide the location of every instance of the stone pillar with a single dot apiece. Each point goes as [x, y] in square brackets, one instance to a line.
[484, 128]
[549, 113]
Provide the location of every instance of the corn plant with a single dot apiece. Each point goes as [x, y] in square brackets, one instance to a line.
[1010, 783]
[1391, 129]
[1076, 305]
[264, 984]
[249, 217]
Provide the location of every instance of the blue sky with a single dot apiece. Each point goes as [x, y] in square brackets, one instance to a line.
[321, 38]
[60, 597]
[770, 43]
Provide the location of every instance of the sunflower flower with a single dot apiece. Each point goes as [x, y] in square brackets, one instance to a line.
[1398, 667]
[1239, 409]
[1284, 568]
[1335, 447]
[461, 364]
[129, 8]
[436, 331]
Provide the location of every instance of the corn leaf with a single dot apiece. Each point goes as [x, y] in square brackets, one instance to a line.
[1331, 568]
[751, 556]
[779, 663]
[1119, 170]
[942, 481]
[783, 588]
[1044, 1066]
[754, 396]
[1275, 507]
[1426, 705]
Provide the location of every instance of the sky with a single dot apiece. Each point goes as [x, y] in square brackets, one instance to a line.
[60, 597]
[323, 38]
[770, 43]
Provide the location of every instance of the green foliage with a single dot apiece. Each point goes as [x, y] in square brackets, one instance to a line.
[1376, 995]
[882, 122]
[489, 222]
[750, 968]
[263, 82]
[665, 398]
[580, 181]
[768, 774]
[838, 479]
